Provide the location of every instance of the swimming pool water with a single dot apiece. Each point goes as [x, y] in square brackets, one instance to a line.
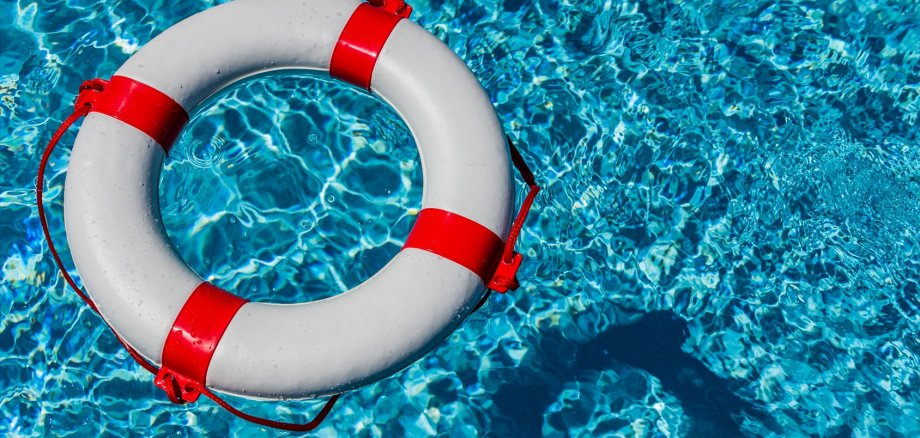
[726, 243]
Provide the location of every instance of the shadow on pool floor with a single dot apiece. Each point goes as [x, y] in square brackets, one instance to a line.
[653, 344]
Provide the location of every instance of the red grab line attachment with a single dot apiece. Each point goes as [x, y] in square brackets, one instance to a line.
[179, 389]
[89, 93]
[395, 7]
[362, 39]
[192, 340]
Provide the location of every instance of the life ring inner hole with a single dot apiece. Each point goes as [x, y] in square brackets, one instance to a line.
[290, 187]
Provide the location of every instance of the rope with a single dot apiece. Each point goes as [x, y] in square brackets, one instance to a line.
[505, 276]
[518, 224]
[78, 112]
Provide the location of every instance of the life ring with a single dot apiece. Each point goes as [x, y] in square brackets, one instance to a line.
[201, 334]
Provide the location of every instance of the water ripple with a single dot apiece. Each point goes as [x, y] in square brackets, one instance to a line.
[748, 166]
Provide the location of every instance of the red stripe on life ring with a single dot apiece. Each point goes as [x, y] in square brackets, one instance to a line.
[194, 336]
[143, 107]
[458, 239]
[360, 43]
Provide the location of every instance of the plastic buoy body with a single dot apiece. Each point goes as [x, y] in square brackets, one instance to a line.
[143, 288]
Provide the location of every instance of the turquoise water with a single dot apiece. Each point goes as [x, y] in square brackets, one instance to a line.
[726, 243]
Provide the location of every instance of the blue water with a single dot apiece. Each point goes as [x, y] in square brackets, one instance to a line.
[727, 242]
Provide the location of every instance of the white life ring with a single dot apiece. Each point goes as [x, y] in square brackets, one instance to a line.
[144, 290]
